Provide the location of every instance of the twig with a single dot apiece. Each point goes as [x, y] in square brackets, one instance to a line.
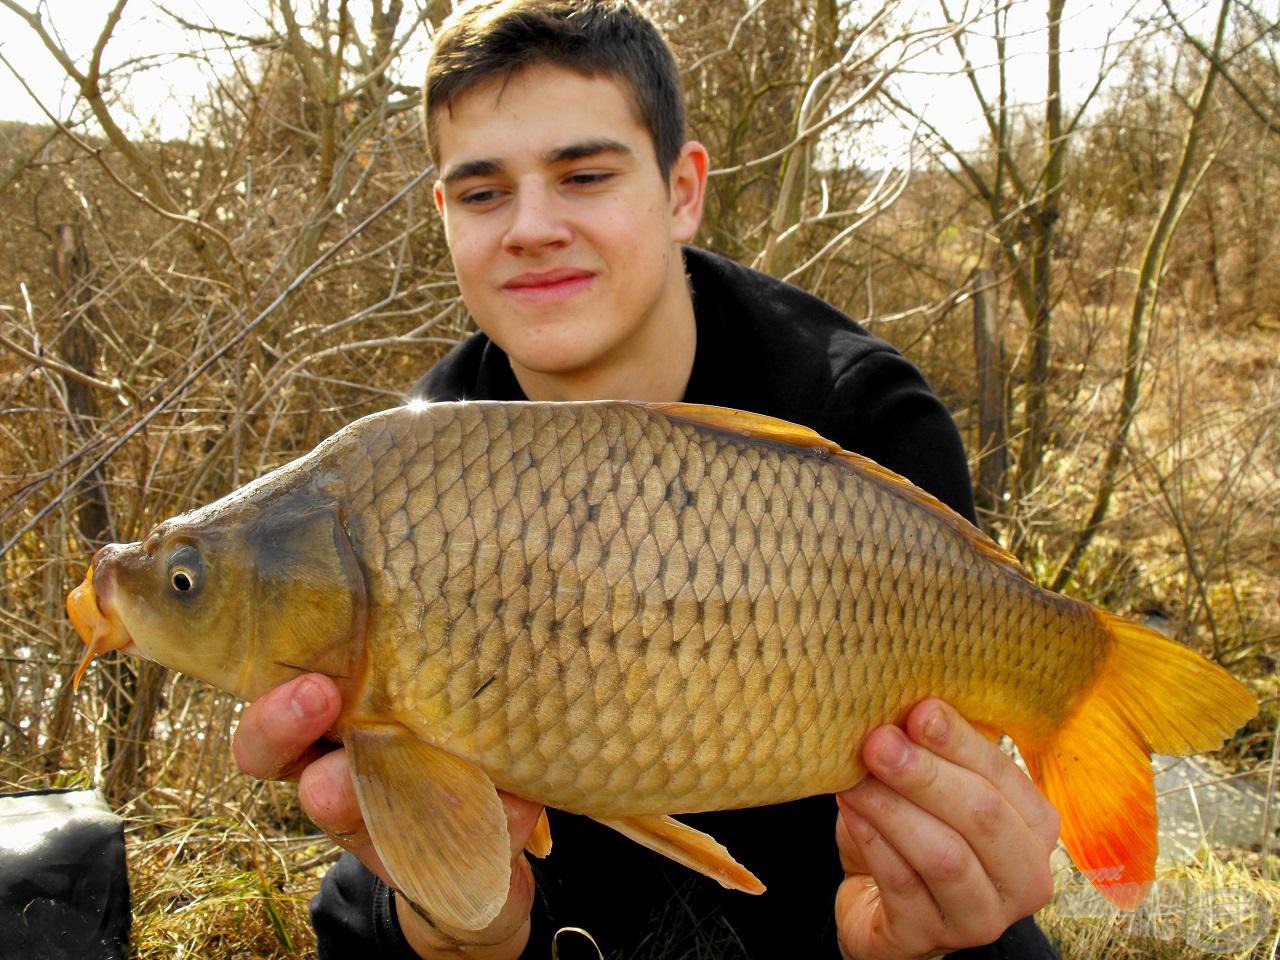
[150, 204]
[214, 357]
[1215, 62]
[1269, 799]
[58, 367]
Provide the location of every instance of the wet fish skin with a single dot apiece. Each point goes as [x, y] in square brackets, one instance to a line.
[630, 610]
[618, 612]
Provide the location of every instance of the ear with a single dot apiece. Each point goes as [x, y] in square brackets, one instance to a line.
[311, 604]
[688, 188]
[437, 191]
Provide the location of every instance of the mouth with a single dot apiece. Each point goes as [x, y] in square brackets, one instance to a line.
[549, 286]
[95, 620]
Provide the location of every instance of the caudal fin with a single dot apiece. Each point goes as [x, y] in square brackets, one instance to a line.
[1152, 696]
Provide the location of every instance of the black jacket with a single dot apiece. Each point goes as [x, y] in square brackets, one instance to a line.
[768, 347]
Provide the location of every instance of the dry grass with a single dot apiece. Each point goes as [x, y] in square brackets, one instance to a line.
[1222, 904]
[214, 889]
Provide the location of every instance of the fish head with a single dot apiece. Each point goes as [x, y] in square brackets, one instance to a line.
[244, 600]
[169, 598]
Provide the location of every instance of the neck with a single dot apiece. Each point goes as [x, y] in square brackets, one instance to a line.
[665, 382]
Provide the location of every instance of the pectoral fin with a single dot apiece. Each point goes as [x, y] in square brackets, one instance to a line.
[437, 823]
[693, 848]
[540, 839]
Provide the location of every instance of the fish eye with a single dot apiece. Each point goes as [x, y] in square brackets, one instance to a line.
[185, 569]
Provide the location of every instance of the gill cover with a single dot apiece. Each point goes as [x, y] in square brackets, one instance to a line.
[310, 609]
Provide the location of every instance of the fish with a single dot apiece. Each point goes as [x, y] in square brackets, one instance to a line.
[634, 610]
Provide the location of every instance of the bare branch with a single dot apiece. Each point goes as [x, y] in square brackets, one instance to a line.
[57, 366]
[1144, 302]
[96, 153]
[1268, 119]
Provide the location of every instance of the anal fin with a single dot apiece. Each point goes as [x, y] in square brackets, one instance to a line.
[436, 821]
[987, 730]
[688, 846]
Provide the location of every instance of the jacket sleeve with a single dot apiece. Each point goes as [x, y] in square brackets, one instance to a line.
[353, 916]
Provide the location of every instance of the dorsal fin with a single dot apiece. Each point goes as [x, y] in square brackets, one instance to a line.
[757, 426]
[746, 424]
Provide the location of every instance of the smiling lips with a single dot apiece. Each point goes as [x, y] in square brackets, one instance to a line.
[549, 286]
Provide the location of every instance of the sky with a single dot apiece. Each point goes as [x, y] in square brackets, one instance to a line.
[161, 95]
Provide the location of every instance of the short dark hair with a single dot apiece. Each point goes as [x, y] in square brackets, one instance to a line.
[609, 38]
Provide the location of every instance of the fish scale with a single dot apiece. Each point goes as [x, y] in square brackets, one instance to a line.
[630, 610]
[563, 642]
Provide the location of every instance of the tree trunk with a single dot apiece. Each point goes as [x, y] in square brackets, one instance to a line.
[1042, 222]
[78, 348]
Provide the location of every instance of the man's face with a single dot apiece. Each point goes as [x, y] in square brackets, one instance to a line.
[564, 235]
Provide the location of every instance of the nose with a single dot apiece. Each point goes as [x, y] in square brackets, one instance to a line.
[537, 221]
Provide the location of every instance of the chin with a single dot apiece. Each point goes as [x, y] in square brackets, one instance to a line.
[551, 360]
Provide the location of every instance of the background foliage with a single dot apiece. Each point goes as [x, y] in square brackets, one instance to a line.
[1120, 409]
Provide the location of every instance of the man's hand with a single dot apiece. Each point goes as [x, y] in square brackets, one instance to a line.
[945, 844]
[276, 740]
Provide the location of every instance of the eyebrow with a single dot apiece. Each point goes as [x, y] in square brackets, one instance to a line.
[472, 168]
[487, 167]
[588, 148]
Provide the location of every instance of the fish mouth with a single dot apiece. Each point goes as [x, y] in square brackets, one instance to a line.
[94, 617]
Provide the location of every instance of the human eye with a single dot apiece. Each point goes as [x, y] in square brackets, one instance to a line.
[587, 178]
[479, 196]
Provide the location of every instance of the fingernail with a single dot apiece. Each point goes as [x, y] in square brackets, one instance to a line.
[893, 750]
[935, 728]
[309, 700]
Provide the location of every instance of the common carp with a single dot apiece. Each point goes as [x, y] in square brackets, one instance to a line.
[631, 610]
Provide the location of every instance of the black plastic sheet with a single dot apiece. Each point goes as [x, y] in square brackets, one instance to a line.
[64, 890]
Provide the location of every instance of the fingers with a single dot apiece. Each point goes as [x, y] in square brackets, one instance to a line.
[328, 796]
[277, 734]
[944, 808]
[930, 880]
[941, 730]
[276, 739]
[946, 842]
[851, 858]
[522, 817]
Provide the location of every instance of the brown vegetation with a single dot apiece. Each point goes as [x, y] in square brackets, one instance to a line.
[1123, 249]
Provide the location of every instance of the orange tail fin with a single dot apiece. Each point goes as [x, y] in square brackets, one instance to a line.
[1152, 696]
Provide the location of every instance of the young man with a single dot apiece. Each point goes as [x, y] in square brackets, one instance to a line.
[568, 191]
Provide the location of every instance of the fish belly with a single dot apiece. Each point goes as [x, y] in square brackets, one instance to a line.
[614, 611]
